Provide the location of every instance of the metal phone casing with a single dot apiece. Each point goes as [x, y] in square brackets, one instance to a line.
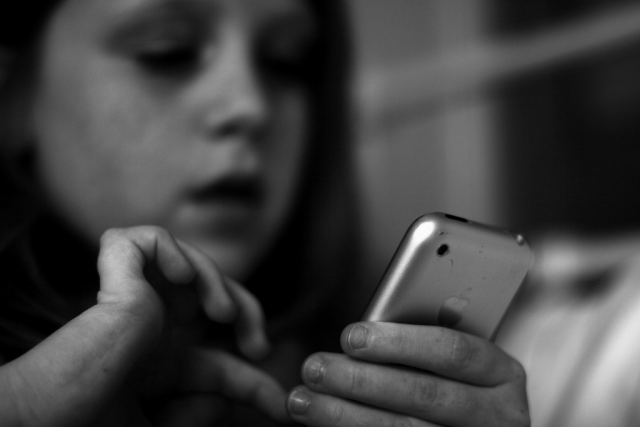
[480, 271]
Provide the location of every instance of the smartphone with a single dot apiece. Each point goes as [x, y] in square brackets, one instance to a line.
[452, 272]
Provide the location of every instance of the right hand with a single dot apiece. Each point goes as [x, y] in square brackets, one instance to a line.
[131, 346]
[411, 375]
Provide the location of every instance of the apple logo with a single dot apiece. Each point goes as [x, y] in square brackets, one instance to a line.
[451, 310]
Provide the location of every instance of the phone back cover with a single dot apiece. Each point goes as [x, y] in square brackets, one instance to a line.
[468, 288]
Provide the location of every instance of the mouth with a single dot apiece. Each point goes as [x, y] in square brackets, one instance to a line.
[233, 190]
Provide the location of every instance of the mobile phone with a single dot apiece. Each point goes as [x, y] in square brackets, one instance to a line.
[452, 272]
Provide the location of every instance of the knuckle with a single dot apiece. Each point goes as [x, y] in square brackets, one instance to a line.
[517, 417]
[336, 413]
[398, 339]
[502, 410]
[117, 245]
[424, 394]
[152, 231]
[516, 411]
[460, 353]
[144, 232]
[111, 235]
[401, 421]
[358, 379]
[116, 242]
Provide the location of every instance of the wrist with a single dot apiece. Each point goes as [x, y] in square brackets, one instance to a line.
[142, 312]
[142, 321]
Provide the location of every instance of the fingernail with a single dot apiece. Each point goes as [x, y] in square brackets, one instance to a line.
[298, 402]
[358, 337]
[314, 370]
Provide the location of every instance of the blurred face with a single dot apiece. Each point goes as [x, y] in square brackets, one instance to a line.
[187, 114]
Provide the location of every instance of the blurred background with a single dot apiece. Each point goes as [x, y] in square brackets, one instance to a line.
[524, 114]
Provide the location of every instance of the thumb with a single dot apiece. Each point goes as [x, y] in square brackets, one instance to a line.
[124, 253]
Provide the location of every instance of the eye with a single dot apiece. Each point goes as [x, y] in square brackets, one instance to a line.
[170, 60]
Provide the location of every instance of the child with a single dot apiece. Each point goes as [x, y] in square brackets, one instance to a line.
[187, 145]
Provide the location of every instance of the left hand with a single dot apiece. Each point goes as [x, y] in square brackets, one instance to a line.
[132, 359]
[182, 381]
[408, 375]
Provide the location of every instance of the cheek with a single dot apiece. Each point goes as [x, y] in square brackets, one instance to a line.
[101, 151]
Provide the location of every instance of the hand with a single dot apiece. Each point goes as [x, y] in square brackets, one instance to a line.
[190, 382]
[407, 375]
[85, 371]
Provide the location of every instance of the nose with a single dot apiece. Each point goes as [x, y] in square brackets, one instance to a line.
[235, 100]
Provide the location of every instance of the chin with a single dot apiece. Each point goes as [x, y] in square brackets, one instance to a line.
[236, 259]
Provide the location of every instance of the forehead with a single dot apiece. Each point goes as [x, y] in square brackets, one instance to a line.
[87, 13]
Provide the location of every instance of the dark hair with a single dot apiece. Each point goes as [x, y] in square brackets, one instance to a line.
[316, 255]
[313, 257]
[21, 21]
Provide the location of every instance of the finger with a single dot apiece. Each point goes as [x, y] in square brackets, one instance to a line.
[124, 253]
[210, 285]
[450, 353]
[225, 300]
[250, 323]
[213, 371]
[398, 389]
[320, 410]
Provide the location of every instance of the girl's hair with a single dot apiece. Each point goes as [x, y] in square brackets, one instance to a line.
[315, 255]
[21, 21]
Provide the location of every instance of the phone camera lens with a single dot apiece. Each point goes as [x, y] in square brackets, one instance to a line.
[442, 250]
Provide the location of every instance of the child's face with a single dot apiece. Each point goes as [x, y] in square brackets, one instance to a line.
[187, 114]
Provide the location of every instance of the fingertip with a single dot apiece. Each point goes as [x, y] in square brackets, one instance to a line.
[255, 348]
[355, 337]
[344, 336]
[171, 258]
[222, 311]
[298, 401]
[250, 328]
[217, 302]
[179, 272]
[271, 398]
